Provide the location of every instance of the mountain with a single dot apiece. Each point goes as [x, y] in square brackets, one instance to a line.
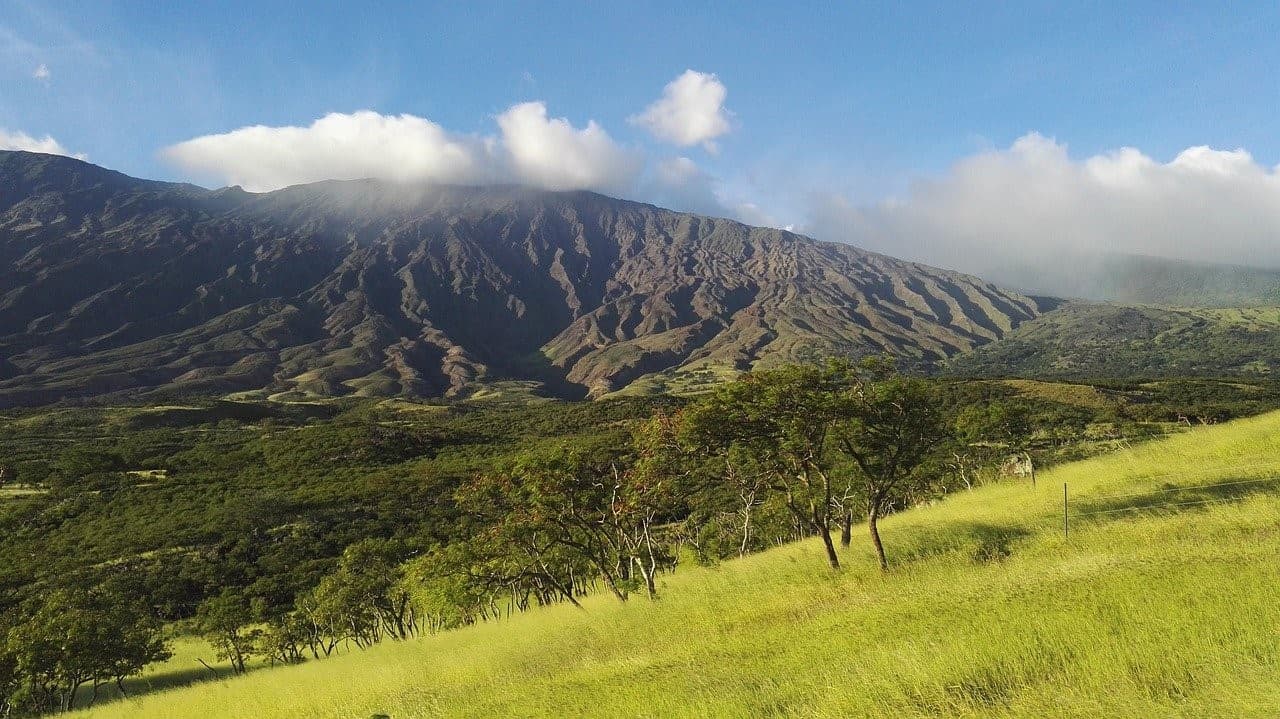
[1139, 279]
[113, 286]
[1079, 340]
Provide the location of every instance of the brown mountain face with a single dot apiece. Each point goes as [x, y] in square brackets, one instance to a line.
[113, 286]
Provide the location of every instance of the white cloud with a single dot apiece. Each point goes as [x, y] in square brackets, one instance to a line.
[553, 154]
[528, 147]
[690, 111]
[531, 149]
[42, 73]
[1033, 206]
[17, 140]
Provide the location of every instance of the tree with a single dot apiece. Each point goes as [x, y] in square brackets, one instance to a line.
[779, 422]
[561, 518]
[893, 426]
[366, 595]
[444, 597]
[284, 639]
[227, 622]
[553, 519]
[1001, 424]
[322, 629]
[72, 637]
[9, 678]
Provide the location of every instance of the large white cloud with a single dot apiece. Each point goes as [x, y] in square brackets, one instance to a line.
[18, 140]
[338, 147]
[690, 112]
[1033, 206]
[552, 153]
[531, 149]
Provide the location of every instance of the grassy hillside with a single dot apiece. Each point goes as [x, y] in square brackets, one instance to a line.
[1144, 611]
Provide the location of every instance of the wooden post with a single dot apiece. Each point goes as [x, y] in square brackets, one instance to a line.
[1066, 524]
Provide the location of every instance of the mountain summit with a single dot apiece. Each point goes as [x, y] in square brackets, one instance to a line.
[111, 285]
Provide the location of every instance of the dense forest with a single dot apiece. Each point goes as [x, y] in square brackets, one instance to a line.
[283, 531]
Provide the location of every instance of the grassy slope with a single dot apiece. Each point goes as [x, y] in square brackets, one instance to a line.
[989, 613]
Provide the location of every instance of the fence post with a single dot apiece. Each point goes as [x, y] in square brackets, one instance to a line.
[1066, 524]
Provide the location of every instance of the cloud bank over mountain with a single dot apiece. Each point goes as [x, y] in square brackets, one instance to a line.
[1033, 205]
[1028, 214]
[18, 140]
[529, 146]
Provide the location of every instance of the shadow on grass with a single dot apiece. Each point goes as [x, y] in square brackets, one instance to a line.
[984, 542]
[158, 681]
[1172, 497]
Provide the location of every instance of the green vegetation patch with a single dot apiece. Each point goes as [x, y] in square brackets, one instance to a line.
[1161, 611]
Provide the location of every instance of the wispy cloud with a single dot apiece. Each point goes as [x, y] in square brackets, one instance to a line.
[18, 140]
[42, 73]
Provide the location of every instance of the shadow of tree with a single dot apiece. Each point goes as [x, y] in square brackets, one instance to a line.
[158, 681]
[984, 542]
[1171, 497]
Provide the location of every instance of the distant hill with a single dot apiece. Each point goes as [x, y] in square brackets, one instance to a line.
[114, 286]
[1135, 279]
[1081, 340]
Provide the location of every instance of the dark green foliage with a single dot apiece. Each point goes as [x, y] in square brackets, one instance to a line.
[226, 620]
[892, 428]
[69, 638]
[777, 425]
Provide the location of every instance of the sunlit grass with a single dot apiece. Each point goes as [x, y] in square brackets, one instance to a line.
[989, 612]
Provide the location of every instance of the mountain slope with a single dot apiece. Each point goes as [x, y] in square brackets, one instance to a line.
[1160, 604]
[112, 285]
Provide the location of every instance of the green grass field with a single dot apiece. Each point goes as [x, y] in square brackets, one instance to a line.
[1146, 610]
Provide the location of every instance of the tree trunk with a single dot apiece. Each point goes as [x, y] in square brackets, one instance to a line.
[613, 587]
[832, 559]
[846, 528]
[873, 517]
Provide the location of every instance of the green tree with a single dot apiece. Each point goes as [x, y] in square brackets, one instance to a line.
[72, 637]
[892, 428]
[227, 621]
[284, 638]
[9, 678]
[571, 515]
[549, 520]
[442, 592]
[779, 422]
[366, 594]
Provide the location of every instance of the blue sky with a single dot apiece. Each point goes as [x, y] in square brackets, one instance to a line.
[847, 104]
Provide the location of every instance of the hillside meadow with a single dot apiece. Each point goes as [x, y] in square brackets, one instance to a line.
[1161, 602]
